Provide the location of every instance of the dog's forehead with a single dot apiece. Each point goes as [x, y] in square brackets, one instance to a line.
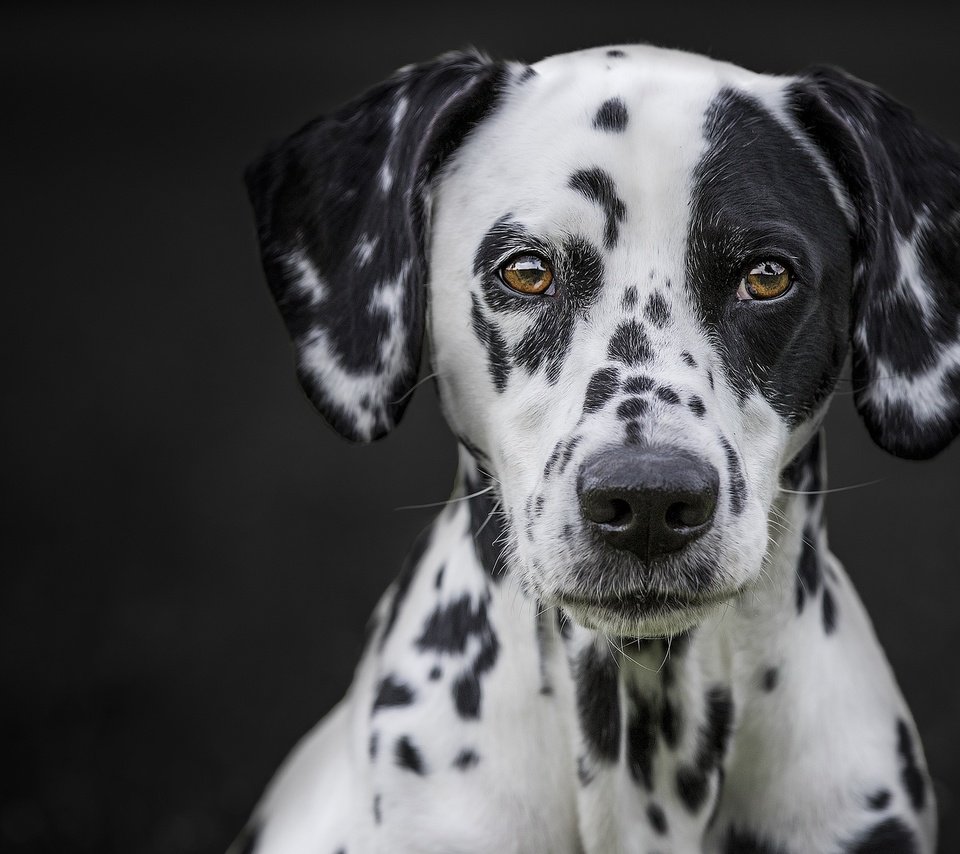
[637, 113]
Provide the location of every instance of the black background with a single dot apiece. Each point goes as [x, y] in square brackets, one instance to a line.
[189, 553]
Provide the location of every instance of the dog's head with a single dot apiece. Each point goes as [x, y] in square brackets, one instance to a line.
[642, 271]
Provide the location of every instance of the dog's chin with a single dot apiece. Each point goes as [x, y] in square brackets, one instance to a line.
[639, 615]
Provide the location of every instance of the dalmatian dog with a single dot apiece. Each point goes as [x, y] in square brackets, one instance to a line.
[641, 272]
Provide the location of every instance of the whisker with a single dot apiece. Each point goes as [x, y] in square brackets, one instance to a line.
[444, 503]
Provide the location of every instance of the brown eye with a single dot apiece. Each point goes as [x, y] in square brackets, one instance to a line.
[767, 280]
[528, 274]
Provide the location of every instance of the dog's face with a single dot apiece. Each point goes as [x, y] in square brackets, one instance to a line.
[640, 269]
[693, 267]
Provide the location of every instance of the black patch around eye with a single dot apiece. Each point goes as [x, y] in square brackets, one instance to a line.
[641, 741]
[602, 386]
[879, 800]
[638, 385]
[632, 407]
[910, 772]
[392, 693]
[598, 186]
[740, 841]
[612, 116]
[889, 837]
[808, 569]
[498, 362]
[790, 350]
[629, 344]
[738, 486]
[466, 759]
[547, 340]
[829, 611]
[668, 395]
[407, 756]
[657, 310]
[598, 702]
[697, 406]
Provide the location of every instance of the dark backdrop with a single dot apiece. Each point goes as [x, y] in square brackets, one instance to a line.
[189, 554]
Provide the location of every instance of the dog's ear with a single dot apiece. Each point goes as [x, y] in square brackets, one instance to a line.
[904, 186]
[342, 208]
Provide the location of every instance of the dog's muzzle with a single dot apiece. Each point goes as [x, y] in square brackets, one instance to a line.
[650, 501]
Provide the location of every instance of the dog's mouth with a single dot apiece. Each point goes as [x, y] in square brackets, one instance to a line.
[650, 612]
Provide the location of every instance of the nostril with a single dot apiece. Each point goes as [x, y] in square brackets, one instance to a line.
[684, 515]
[621, 513]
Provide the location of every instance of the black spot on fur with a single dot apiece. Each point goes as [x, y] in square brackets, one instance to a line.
[770, 679]
[657, 819]
[668, 395]
[808, 569]
[486, 525]
[568, 453]
[407, 756]
[466, 759]
[657, 310]
[584, 773]
[629, 344]
[498, 363]
[448, 630]
[910, 772]
[829, 611]
[879, 800]
[435, 673]
[671, 723]
[402, 585]
[696, 406]
[373, 745]
[692, 780]
[392, 693]
[602, 386]
[598, 702]
[616, 54]
[638, 385]
[692, 787]
[632, 407]
[526, 74]
[738, 486]
[741, 841]
[438, 581]
[597, 185]
[688, 359]
[612, 116]
[630, 297]
[889, 837]
[377, 816]
[641, 740]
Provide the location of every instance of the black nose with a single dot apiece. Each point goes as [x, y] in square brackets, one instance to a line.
[649, 501]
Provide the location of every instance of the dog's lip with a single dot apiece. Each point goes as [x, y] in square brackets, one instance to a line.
[638, 601]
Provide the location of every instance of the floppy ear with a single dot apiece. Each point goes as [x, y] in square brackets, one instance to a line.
[904, 185]
[341, 209]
